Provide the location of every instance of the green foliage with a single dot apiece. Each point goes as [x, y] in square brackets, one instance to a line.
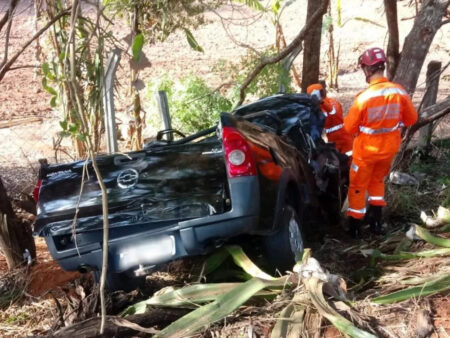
[88, 56]
[50, 74]
[434, 286]
[159, 19]
[339, 13]
[136, 47]
[266, 83]
[193, 105]
[327, 22]
[192, 42]
[18, 319]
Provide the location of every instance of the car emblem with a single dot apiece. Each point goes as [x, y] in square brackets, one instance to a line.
[127, 178]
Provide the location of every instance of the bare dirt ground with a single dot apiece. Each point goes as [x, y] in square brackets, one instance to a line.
[21, 95]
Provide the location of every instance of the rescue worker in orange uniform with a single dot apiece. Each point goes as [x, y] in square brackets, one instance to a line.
[334, 119]
[376, 117]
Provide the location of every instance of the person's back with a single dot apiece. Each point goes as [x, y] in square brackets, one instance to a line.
[376, 117]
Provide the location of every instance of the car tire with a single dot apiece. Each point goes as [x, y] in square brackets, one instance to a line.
[284, 248]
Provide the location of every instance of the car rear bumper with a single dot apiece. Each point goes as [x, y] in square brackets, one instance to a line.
[156, 246]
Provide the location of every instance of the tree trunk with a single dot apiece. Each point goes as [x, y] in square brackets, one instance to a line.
[393, 54]
[433, 72]
[311, 50]
[136, 134]
[333, 57]
[418, 42]
[15, 237]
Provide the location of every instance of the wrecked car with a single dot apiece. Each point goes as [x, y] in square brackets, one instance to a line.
[258, 173]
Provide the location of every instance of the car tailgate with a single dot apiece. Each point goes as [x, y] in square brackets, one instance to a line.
[178, 182]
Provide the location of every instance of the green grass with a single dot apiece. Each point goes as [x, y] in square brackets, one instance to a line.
[20, 318]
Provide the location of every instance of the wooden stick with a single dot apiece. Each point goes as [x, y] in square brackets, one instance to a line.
[16, 122]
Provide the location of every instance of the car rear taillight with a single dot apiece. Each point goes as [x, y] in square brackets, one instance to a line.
[36, 190]
[238, 155]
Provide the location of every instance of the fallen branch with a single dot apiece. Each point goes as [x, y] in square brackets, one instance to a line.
[7, 66]
[285, 52]
[16, 122]
[118, 327]
[433, 113]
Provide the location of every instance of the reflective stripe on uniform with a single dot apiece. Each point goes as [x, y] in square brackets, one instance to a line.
[371, 131]
[354, 167]
[376, 198]
[358, 211]
[335, 128]
[349, 153]
[333, 111]
[369, 94]
[390, 111]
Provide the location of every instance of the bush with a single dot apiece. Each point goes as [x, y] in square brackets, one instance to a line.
[192, 103]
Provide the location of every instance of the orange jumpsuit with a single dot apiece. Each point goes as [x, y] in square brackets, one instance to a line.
[334, 122]
[376, 116]
[334, 126]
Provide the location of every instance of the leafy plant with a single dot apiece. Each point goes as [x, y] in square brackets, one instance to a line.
[431, 287]
[89, 73]
[224, 298]
[268, 82]
[193, 104]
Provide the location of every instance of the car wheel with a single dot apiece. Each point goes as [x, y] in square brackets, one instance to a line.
[284, 248]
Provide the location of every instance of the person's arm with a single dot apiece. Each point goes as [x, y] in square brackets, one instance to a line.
[326, 106]
[409, 114]
[353, 119]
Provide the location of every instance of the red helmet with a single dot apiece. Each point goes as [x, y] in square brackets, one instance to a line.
[371, 57]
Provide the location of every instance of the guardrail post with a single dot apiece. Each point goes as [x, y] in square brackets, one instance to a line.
[108, 101]
[163, 106]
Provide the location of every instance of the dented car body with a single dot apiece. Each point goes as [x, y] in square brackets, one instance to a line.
[250, 175]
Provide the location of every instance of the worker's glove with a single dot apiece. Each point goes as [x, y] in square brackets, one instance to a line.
[316, 93]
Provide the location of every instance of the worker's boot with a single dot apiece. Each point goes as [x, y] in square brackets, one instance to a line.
[354, 227]
[375, 222]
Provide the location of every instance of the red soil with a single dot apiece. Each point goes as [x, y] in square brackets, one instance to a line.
[45, 274]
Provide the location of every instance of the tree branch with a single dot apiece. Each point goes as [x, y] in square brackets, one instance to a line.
[285, 52]
[24, 66]
[9, 13]
[433, 113]
[8, 32]
[4, 20]
[4, 69]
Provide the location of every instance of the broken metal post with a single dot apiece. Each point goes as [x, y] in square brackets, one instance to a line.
[286, 64]
[163, 106]
[108, 101]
